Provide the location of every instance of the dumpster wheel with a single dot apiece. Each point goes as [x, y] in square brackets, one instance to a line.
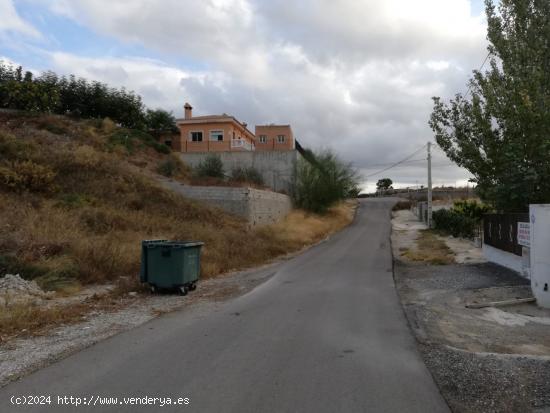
[183, 289]
[153, 289]
[193, 287]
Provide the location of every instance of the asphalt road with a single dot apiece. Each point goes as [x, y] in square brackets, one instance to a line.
[325, 334]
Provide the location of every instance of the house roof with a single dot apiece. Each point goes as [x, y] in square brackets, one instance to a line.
[213, 119]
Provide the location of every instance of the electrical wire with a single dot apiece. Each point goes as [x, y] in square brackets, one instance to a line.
[480, 69]
[388, 164]
[396, 163]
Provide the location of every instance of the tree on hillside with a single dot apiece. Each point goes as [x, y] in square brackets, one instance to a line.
[69, 96]
[501, 134]
[158, 121]
[384, 184]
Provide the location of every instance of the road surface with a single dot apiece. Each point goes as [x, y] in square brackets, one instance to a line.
[325, 334]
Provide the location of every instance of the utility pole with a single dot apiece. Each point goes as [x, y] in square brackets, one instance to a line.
[429, 184]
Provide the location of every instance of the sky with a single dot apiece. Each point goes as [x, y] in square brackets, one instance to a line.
[353, 76]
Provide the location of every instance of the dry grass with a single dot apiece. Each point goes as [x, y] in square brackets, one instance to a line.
[430, 249]
[102, 203]
[25, 319]
[301, 228]
[31, 319]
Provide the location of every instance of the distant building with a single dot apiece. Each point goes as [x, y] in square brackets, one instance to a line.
[224, 133]
[274, 138]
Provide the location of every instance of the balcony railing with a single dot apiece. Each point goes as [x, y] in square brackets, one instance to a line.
[241, 143]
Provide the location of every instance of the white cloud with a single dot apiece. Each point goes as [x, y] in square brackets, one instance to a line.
[356, 76]
[12, 23]
[158, 83]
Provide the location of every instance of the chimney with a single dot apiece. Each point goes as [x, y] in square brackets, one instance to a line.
[245, 124]
[188, 110]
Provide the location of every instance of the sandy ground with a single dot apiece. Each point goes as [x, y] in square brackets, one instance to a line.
[488, 359]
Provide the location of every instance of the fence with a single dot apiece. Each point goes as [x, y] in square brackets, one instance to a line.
[501, 231]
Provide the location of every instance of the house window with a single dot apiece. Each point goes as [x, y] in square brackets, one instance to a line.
[195, 136]
[216, 135]
[280, 138]
[263, 139]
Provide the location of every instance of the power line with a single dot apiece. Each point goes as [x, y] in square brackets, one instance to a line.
[397, 163]
[388, 164]
[480, 69]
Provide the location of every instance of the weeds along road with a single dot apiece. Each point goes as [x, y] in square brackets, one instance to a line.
[325, 334]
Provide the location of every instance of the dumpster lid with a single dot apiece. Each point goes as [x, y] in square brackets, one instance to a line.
[184, 244]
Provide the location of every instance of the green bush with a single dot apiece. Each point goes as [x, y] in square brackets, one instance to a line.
[462, 220]
[170, 167]
[321, 181]
[10, 264]
[211, 166]
[161, 148]
[250, 174]
[402, 205]
[454, 223]
[74, 200]
[471, 209]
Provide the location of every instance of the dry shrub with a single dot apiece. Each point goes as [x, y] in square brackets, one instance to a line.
[52, 123]
[104, 259]
[108, 126]
[12, 148]
[102, 220]
[87, 157]
[27, 176]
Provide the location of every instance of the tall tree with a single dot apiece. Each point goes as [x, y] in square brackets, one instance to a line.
[501, 133]
[384, 184]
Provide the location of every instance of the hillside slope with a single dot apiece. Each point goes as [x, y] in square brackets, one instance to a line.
[77, 197]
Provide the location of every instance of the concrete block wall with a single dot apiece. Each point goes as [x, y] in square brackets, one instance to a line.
[256, 206]
[276, 167]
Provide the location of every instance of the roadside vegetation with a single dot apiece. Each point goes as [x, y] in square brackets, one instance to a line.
[76, 203]
[429, 249]
[321, 180]
[402, 205]
[462, 220]
[500, 132]
[210, 172]
[79, 98]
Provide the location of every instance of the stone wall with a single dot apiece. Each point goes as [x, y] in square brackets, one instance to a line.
[256, 206]
[276, 167]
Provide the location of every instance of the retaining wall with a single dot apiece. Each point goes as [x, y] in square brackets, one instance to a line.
[256, 206]
[276, 167]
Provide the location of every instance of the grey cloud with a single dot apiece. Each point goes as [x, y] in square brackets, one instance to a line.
[349, 74]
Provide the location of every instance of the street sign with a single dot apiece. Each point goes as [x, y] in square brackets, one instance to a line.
[524, 234]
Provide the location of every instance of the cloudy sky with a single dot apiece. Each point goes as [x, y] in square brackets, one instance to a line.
[356, 76]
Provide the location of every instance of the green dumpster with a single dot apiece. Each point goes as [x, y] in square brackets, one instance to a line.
[143, 269]
[172, 264]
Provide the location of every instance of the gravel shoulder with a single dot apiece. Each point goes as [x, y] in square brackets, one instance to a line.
[483, 360]
[21, 356]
